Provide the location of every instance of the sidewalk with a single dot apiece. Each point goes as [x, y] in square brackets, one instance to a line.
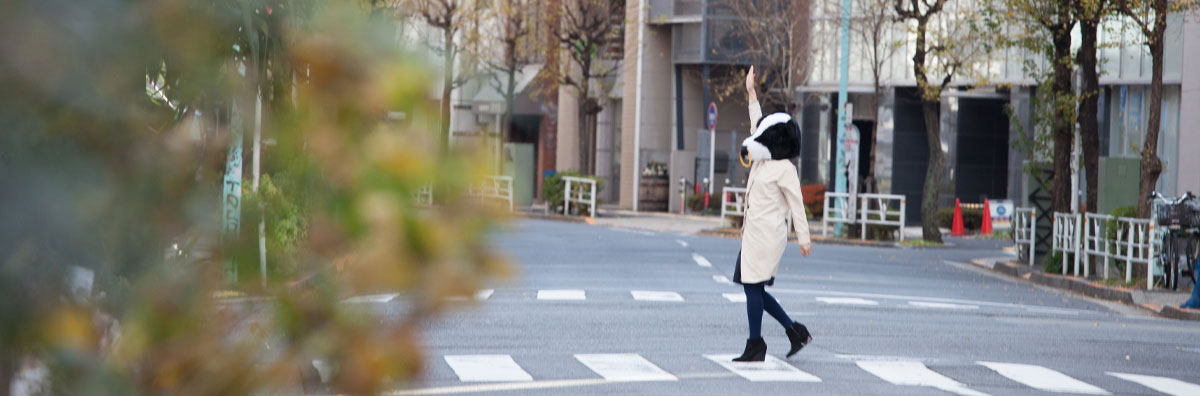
[1159, 302]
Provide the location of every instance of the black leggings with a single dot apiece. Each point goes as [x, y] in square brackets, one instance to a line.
[758, 300]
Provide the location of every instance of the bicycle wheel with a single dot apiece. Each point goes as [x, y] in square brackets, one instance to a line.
[1191, 250]
[1166, 259]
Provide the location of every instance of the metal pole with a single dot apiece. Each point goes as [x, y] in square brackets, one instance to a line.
[1032, 235]
[262, 226]
[844, 76]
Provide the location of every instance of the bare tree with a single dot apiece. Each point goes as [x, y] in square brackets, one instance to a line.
[772, 35]
[1150, 17]
[1089, 13]
[457, 21]
[513, 33]
[872, 22]
[945, 45]
[586, 31]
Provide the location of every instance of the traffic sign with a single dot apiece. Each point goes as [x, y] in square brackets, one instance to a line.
[712, 116]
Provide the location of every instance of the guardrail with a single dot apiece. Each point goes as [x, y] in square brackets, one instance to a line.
[1065, 238]
[838, 212]
[425, 196]
[882, 215]
[494, 187]
[1136, 236]
[1086, 236]
[583, 193]
[1025, 231]
[1096, 242]
[733, 203]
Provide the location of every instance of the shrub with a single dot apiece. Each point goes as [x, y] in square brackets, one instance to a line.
[972, 218]
[695, 202]
[1054, 261]
[552, 190]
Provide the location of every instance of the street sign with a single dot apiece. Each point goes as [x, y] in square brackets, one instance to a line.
[712, 116]
[1002, 213]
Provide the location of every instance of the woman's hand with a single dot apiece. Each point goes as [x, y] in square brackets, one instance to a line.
[806, 249]
[750, 81]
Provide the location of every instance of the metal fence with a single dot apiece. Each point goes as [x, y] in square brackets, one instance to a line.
[1025, 231]
[494, 187]
[1086, 236]
[733, 203]
[882, 214]
[425, 196]
[584, 192]
[1066, 238]
[837, 210]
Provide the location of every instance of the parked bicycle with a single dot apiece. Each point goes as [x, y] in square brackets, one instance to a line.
[1180, 244]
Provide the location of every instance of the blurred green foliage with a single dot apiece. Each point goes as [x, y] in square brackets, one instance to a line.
[116, 119]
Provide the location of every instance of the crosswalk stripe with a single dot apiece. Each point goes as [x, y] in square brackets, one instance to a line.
[735, 297]
[643, 295]
[1166, 385]
[681, 242]
[624, 367]
[484, 294]
[486, 368]
[373, 298]
[847, 301]
[1042, 378]
[772, 369]
[561, 295]
[914, 374]
[722, 279]
[926, 304]
[700, 260]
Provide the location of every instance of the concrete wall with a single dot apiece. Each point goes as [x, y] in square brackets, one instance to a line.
[629, 170]
[567, 152]
[655, 94]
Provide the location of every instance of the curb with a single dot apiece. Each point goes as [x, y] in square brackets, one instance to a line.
[1086, 288]
[554, 217]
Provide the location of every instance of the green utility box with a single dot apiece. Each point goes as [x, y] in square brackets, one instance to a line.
[1119, 180]
[519, 159]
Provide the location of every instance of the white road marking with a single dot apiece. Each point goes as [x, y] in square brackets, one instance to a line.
[772, 369]
[1042, 378]
[681, 242]
[624, 367]
[1166, 385]
[722, 279]
[914, 374]
[847, 301]
[487, 368]
[561, 295]
[481, 295]
[372, 298]
[914, 298]
[700, 260]
[926, 304]
[735, 297]
[646, 233]
[643, 295]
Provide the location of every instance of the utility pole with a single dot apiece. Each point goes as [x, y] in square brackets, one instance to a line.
[257, 167]
[840, 155]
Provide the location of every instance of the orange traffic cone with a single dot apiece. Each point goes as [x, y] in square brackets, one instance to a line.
[987, 218]
[957, 229]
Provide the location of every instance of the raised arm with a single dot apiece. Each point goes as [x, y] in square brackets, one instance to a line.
[752, 98]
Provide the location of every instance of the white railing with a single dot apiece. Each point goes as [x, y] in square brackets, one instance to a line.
[1025, 231]
[733, 203]
[583, 193]
[883, 212]
[837, 210]
[494, 187]
[1096, 242]
[1135, 238]
[425, 196]
[1066, 237]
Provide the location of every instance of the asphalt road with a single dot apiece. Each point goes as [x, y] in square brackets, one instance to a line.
[885, 321]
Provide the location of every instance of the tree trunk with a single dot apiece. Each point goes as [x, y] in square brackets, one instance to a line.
[933, 174]
[447, 85]
[1151, 166]
[584, 138]
[1063, 136]
[506, 129]
[1089, 128]
[873, 186]
[8, 370]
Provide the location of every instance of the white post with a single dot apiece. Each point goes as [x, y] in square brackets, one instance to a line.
[1075, 235]
[1032, 235]
[1150, 257]
[593, 199]
[1129, 255]
[262, 226]
[1107, 247]
[566, 196]
[825, 218]
[862, 218]
[903, 208]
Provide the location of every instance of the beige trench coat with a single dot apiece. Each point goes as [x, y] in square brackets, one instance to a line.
[772, 190]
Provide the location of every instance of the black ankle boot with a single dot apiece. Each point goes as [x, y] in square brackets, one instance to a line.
[799, 336]
[756, 351]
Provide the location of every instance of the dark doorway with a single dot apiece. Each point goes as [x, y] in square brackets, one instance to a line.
[910, 151]
[981, 169]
